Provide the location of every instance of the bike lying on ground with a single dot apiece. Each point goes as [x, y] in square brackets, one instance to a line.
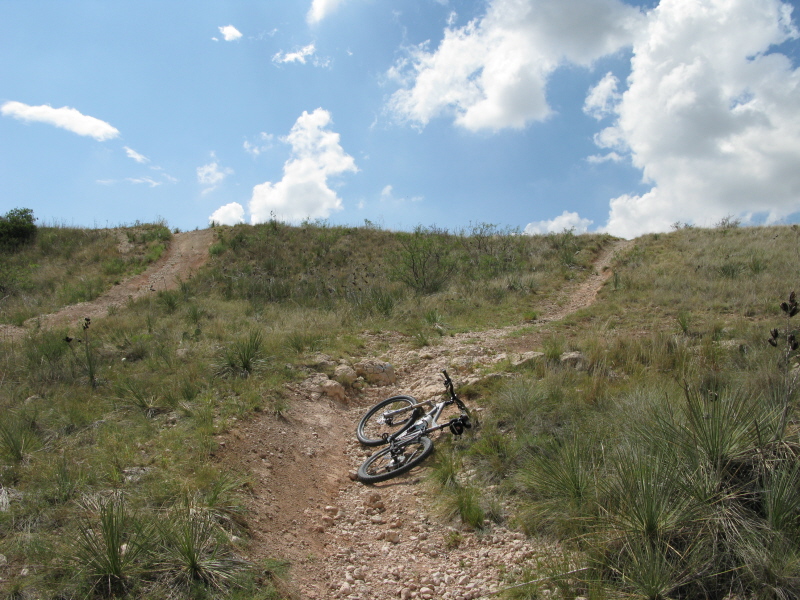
[402, 423]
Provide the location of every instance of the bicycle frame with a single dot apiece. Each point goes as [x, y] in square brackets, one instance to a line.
[429, 422]
[426, 424]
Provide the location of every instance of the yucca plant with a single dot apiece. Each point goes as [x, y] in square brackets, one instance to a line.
[133, 393]
[647, 500]
[219, 499]
[647, 570]
[781, 498]
[243, 356]
[714, 431]
[112, 545]
[770, 564]
[791, 344]
[191, 549]
[561, 487]
[169, 300]
[18, 436]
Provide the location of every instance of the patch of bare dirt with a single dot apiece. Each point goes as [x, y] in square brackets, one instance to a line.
[187, 252]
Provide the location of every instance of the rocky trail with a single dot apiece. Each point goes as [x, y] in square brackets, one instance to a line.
[348, 540]
[344, 539]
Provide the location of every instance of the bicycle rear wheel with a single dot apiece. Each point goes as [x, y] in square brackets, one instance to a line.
[373, 428]
[382, 465]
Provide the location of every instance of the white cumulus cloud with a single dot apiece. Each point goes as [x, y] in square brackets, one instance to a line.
[211, 174]
[321, 9]
[711, 115]
[230, 33]
[64, 117]
[603, 98]
[565, 221]
[304, 192]
[492, 73]
[230, 214]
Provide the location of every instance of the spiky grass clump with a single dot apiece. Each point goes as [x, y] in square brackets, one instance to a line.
[191, 551]
[112, 546]
[243, 356]
[18, 436]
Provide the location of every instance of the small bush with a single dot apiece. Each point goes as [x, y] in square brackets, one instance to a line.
[17, 227]
[425, 262]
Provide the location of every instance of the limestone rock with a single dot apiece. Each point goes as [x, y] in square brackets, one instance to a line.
[576, 360]
[319, 361]
[518, 360]
[334, 390]
[345, 374]
[376, 372]
[315, 383]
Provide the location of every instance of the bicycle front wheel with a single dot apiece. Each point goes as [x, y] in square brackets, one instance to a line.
[382, 465]
[374, 426]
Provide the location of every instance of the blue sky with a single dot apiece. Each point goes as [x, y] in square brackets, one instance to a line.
[600, 115]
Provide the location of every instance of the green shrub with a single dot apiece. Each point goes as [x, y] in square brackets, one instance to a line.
[17, 227]
[425, 261]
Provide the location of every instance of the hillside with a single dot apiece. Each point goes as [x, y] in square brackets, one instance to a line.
[203, 399]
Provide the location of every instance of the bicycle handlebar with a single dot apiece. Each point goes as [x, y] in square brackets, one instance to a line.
[448, 383]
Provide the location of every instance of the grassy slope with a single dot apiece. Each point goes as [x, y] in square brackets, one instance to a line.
[669, 463]
[67, 265]
[171, 370]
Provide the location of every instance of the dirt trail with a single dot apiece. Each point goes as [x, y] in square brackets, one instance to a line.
[187, 252]
[348, 540]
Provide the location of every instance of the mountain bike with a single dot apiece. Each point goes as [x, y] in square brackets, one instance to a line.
[402, 423]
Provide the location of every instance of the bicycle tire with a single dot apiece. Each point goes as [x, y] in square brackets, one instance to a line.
[371, 429]
[378, 467]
